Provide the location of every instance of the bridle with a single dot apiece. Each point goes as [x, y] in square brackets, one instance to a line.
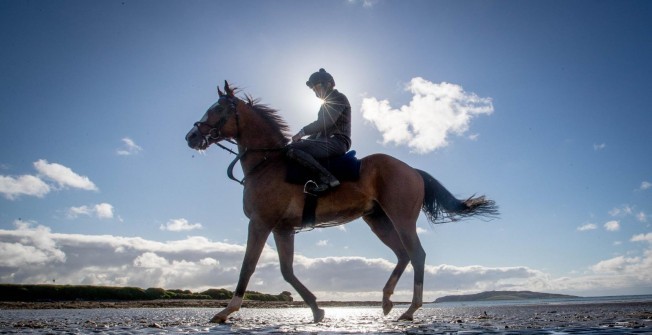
[214, 135]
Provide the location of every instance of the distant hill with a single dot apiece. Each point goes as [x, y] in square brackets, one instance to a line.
[502, 295]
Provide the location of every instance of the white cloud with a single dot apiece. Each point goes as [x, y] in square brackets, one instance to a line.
[31, 246]
[436, 110]
[101, 211]
[642, 238]
[322, 243]
[627, 210]
[615, 265]
[12, 187]
[151, 260]
[209, 261]
[422, 231]
[622, 211]
[365, 3]
[180, 225]
[612, 225]
[63, 176]
[104, 210]
[586, 227]
[646, 185]
[129, 147]
[641, 216]
[598, 147]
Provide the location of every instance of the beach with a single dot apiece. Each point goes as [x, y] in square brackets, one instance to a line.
[182, 316]
[175, 303]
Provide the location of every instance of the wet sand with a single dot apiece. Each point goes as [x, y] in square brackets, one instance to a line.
[160, 316]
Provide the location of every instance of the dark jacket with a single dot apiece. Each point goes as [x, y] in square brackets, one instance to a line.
[334, 119]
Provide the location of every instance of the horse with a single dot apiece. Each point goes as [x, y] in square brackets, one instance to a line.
[389, 196]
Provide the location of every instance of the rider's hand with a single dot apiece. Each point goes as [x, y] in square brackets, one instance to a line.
[298, 136]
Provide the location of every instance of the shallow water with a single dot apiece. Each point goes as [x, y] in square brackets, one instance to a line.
[630, 318]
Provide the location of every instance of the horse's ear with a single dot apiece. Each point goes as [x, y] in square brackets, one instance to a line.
[219, 92]
[227, 89]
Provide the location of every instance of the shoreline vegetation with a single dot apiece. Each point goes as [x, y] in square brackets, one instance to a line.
[47, 292]
[49, 296]
[17, 296]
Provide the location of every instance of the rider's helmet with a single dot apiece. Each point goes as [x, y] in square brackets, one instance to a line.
[320, 77]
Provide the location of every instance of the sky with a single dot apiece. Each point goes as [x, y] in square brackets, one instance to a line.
[542, 106]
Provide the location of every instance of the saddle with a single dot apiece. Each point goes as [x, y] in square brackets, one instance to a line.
[345, 168]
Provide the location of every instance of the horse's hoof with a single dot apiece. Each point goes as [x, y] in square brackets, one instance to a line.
[318, 315]
[218, 319]
[406, 317]
[387, 306]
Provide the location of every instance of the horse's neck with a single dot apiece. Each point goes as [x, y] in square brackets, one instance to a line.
[256, 133]
[257, 141]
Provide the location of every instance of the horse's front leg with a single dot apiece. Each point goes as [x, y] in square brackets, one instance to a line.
[285, 247]
[256, 238]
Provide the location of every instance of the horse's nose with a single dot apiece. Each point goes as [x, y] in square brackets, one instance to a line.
[191, 139]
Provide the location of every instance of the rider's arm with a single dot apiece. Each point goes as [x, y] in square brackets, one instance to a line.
[329, 112]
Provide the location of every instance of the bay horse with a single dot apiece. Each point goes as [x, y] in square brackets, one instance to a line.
[388, 196]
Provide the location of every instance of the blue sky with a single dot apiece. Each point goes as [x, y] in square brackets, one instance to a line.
[545, 109]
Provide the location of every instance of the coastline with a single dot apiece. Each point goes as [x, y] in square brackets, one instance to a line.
[177, 303]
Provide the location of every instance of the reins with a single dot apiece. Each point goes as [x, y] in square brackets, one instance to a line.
[239, 156]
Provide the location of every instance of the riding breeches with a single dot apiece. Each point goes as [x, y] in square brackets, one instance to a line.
[321, 148]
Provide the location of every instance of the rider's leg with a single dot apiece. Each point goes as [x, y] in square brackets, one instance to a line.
[306, 152]
[326, 179]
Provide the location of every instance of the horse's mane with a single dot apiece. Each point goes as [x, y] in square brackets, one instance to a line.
[270, 115]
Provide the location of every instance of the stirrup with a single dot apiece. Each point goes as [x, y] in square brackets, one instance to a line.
[309, 186]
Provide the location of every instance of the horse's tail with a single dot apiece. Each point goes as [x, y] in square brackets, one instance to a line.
[441, 206]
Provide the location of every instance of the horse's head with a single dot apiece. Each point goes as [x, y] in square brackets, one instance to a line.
[217, 123]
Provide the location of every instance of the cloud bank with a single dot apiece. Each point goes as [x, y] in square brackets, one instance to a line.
[435, 112]
[32, 253]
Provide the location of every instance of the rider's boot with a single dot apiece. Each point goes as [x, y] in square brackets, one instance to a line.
[326, 179]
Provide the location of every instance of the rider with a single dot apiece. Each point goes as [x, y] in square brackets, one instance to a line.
[329, 135]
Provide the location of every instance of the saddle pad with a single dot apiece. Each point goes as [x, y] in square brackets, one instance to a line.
[344, 168]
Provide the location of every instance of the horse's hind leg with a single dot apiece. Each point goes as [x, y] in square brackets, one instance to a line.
[418, 259]
[285, 248]
[403, 209]
[406, 231]
[384, 229]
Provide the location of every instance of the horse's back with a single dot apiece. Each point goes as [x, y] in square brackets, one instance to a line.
[391, 179]
[383, 165]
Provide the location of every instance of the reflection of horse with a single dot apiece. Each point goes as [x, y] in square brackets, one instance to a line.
[388, 196]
